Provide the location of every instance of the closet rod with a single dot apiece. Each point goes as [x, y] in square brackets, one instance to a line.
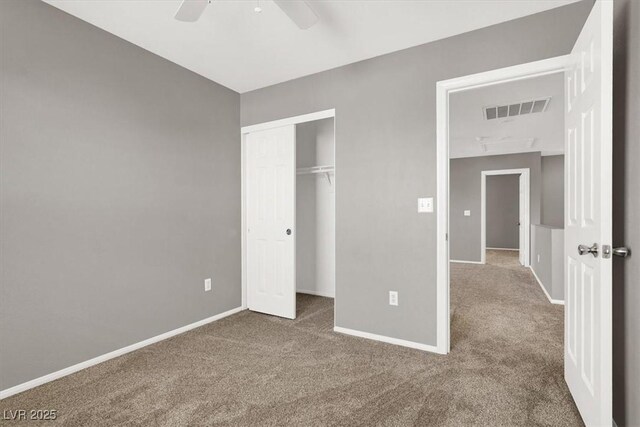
[326, 170]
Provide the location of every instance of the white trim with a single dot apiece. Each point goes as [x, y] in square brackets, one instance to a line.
[551, 300]
[111, 355]
[319, 115]
[459, 261]
[502, 249]
[243, 222]
[388, 340]
[316, 293]
[525, 172]
[443, 90]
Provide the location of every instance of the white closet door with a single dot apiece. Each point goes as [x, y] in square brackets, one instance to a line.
[588, 205]
[270, 214]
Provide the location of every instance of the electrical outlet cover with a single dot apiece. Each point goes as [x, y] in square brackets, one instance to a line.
[393, 298]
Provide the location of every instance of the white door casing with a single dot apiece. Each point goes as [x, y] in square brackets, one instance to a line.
[270, 221]
[444, 89]
[524, 213]
[588, 211]
[522, 207]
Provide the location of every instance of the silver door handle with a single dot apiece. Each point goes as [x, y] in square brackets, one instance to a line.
[584, 249]
[621, 252]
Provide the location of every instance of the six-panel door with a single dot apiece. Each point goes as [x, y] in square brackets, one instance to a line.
[588, 219]
[270, 221]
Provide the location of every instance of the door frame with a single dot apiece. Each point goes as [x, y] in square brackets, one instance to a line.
[445, 88]
[525, 172]
[311, 117]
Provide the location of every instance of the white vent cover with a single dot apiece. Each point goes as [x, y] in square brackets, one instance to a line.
[517, 109]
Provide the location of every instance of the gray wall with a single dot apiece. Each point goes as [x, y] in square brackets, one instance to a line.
[465, 194]
[306, 221]
[120, 193]
[386, 159]
[547, 258]
[553, 191]
[626, 214]
[503, 211]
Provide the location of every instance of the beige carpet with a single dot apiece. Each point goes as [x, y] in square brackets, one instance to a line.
[503, 258]
[505, 369]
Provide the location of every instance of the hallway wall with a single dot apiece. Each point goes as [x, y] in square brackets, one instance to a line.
[465, 194]
[503, 211]
[552, 204]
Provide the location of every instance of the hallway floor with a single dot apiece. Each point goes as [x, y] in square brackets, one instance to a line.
[503, 258]
[505, 369]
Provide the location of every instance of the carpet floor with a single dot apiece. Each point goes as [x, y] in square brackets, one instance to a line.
[503, 258]
[505, 369]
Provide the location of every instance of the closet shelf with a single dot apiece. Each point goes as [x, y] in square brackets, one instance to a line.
[326, 170]
[314, 169]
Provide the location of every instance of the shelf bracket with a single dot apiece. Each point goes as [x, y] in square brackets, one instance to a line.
[328, 175]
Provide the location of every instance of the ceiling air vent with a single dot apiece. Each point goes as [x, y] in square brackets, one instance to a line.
[517, 109]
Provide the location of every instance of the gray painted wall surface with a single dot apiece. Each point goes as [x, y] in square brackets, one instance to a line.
[305, 208]
[120, 193]
[503, 198]
[465, 194]
[547, 258]
[626, 213]
[386, 159]
[553, 191]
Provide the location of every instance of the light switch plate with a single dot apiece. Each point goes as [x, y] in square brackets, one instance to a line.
[207, 285]
[467, 213]
[425, 205]
[393, 297]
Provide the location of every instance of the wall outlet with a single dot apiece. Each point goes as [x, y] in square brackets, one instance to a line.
[393, 297]
[467, 213]
[207, 285]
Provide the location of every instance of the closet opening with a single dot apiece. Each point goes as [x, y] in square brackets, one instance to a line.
[315, 208]
[288, 212]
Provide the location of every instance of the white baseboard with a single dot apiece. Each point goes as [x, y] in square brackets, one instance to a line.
[91, 362]
[458, 261]
[551, 300]
[388, 340]
[316, 293]
[503, 249]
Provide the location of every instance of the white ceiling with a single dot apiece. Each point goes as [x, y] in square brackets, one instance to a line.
[469, 129]
[243, 50]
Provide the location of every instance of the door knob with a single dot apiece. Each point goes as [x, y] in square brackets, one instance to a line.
[288, 232]
[584, 249]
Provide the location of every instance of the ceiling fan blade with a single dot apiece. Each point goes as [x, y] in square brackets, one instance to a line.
[191, 10]
[299, 12]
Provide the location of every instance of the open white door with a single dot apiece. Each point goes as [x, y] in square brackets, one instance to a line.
[270, 218]
[588, 117]
[522, 209]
